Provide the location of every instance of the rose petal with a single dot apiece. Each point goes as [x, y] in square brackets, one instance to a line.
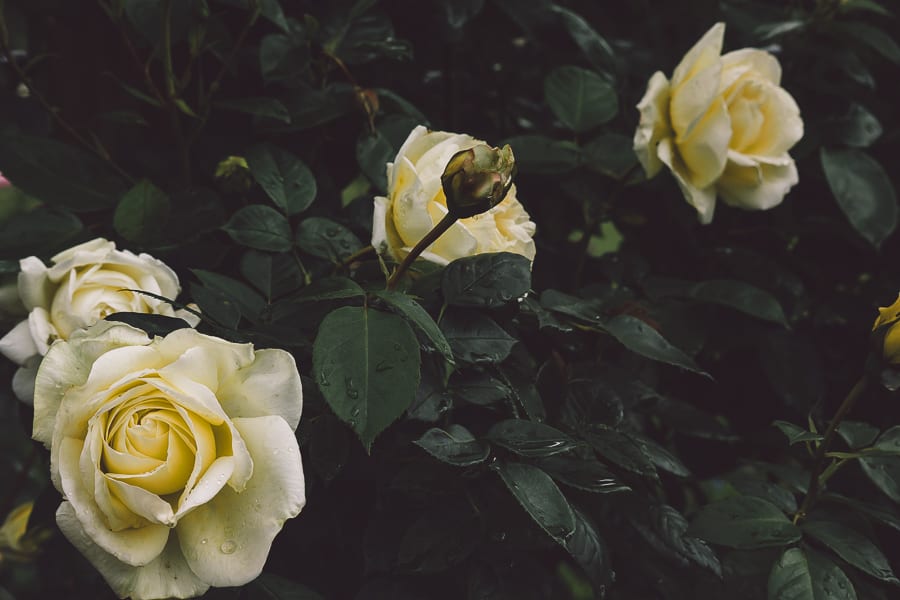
[23, 380]
[18, 345]
[408, 204]
[756, 183]
[35, 288]
[704, 200]
[226, 541]
[738, 62]
[705, 150]
[695, 82]
[654, 124]
[270, 385]
[167, 576]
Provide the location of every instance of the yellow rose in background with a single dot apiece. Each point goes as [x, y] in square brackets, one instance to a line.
[889, 317]
[723, 126]
[84, 284]
[415, 203]
[176, 455]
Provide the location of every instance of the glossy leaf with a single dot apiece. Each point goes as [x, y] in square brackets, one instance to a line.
[260, 227]
[412, 310]
[744, 522]
[581, 99]
[852, 546]
[326, 239]
[541, 499]
[284, 177]
[486, 280]
[801, 575]
[455, 446]
[530, 439]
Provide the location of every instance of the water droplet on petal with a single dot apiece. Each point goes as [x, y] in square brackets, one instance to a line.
[228, 547]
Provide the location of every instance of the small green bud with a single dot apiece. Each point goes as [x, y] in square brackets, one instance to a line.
[233, 175]
[477, 179]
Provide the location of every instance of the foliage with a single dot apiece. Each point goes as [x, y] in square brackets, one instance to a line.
[638, 416]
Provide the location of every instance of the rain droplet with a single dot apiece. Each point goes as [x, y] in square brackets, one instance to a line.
[204, 541]
[228, 547]
[331, 232]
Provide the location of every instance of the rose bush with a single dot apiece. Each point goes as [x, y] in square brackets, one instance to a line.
[83, 285]
[415, 203]
[889, 318]
[176, 455]
[723, 126]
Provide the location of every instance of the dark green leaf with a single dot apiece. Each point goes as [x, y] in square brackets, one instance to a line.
[870, 36]
[35, 231]
[642, 339]
[863, 191]
[260, 227]
[666, 530]
[590, 551]
[330, 288]
[310, 107]
[744, 522]
[585, 474]
[882, 514]
[283, 58]
[270, 9]
[530, 439]
[796, 434]
[618, 448]
[476, 338]
[274, 587]
[540, 498]
[858, 128]
[607, 154]
[486, 280]
[480, 389]
[58, 174]
[284, 177]
[272, 274]
[852, 546]
[326, 239]
[373, 152]
[142, 212]
[661, 457]
[455, 446]
[740, 296]
[262, 106]
[216, 305]
[540, 154]
[248, 302]
[596, 49]
[888, 443]
[857, 434]
[774, 493]
[160, 325]
[581, 99]
[799, 576]
[367, 365]
[413, 311]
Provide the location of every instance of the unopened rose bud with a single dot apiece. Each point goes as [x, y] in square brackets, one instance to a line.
[888, 325]
[477, 179]
[233, 175]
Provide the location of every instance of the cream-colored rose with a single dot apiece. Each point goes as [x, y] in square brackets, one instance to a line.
[176, 455]
[415, 203]
[723, 126]
[84, 284]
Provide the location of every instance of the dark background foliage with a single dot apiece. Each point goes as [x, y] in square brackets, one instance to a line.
[627, 390]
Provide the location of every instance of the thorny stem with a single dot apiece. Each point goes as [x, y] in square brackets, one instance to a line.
[430, 237]
[54, 113]
[815, 477]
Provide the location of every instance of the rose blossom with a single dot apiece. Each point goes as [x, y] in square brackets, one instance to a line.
[176, 455]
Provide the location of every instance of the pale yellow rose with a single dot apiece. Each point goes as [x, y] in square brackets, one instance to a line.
[889, 317]
[723, 126]
[176, 455]
[84, 284]
[415, 203]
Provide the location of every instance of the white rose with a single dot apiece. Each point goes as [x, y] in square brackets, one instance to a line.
[723, 126]
[176, 455]
[85, 284]
[415, 204]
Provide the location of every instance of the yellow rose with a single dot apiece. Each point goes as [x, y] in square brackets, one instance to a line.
[723, 126]
[176, 455]
[889, 317]
[415, 203]
[84, 284]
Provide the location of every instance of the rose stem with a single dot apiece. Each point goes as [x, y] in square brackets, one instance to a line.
[819, 460]
[430, 237]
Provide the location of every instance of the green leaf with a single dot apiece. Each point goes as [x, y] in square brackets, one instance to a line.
[540, 154]
[642, 339]
[260, 227]
[216, 306]
[581, 99]
[618, 448]
[153, 324]
[274, 587]
[262, 107]
[283, 58]
[801, 576]
[530, 439]
[608, 154]
[35, 231]
[871, 36]
[857, 434]
[882, 514]
[661, 457]
[284, 177]
[330, 288]
[311, 107]
[596, 49]
[778, 495]
[586, 474]
[540, 498]
[455, 446]
[590, 551]
[476, 338]
[270, 9]
[486, 280]
[796, 434]
[249, 303]
[366, 364]
[888, 443]
[373, 152]
[858, 128]
[142, 212]
[666, 529]
[865, 5]
[58, 174]
[852, 546]
[326, 239]
[272, 274]
[863, 191]
[740, 296]
[412, 310]
[744, 522]
[478, 388]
